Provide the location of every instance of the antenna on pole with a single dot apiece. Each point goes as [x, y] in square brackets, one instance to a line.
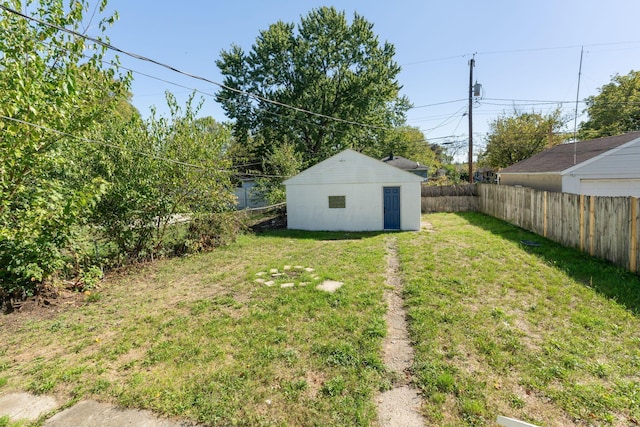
[575, 118]
[472, 63]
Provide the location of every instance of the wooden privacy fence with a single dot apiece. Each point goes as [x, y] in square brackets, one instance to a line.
[605, 227]
[449, 198]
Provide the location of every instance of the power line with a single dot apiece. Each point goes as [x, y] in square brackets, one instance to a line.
[438, 103]
[187, 74]
[446, 120]
[138, 152]
[535, 49]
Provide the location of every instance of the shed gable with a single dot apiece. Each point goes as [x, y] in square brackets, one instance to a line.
[351, 167]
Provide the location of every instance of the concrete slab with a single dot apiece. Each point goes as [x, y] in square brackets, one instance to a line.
[89, 413]
[25, 406]
[329, 286]
[400, 407]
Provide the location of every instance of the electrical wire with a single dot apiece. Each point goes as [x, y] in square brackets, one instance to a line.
[535, 49]
[138, 152]
[187, 74]
[444, 122]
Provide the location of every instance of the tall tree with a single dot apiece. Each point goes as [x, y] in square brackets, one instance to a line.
[326, 65]
[513, 138]
[52, 85]
[615, 110]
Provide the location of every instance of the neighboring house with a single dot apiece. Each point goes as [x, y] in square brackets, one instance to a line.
[485, 175]
[407, 165]
[353, 192]
[247, 195]
[607, 166]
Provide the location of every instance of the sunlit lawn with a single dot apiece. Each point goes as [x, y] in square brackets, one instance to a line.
[544, 334]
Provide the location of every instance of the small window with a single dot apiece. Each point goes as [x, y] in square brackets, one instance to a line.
[337, 202]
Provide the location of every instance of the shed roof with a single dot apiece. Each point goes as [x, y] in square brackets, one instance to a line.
[561, 157]
[350, 167]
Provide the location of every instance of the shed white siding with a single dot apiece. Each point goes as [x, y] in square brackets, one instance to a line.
[361, 180]
[614, 173]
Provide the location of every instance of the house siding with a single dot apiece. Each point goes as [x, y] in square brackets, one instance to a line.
[542, 182]
[616, 173]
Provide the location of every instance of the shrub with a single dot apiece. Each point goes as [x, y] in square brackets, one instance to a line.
[214, 230]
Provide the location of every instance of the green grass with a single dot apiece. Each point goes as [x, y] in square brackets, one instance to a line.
[196, 337]
[545, 334]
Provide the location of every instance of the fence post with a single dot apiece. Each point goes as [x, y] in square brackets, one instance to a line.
[582, 222]
[544, 215]
[633, 255]
[592, 225]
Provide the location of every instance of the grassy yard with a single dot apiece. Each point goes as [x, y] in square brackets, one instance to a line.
[544, 334]
[197, 337]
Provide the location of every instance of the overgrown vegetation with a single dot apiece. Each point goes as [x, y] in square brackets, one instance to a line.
[545, 334]
[78, 164]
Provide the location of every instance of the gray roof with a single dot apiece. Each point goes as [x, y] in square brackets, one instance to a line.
[404, 163]
[561, 157]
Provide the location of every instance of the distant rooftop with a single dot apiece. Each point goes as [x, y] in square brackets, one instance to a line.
[404, 163]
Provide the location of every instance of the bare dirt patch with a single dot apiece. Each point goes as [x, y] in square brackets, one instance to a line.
[399, 406]
[426, 226]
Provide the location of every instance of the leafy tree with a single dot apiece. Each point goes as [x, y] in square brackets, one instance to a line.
[615, 110]
[284, 162]
[408, 142]
[513, 138]
[325, 65]
[165, 166]
[50, 88]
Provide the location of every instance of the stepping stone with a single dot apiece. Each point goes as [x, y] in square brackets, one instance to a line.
[270, 283]
[309, 269]
[329, 286]
[273, 270]
[25, 406]
[287, 267]
[259, 280]
[287, 285]
[299, 267]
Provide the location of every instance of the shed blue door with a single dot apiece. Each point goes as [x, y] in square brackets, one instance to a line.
[392, 208]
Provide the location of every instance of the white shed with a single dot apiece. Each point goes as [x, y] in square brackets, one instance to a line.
[598, 167]
[353, 192]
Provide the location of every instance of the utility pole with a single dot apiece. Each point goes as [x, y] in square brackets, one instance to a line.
[472, 63]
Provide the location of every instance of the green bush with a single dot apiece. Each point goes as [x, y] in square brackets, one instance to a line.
[214, 230]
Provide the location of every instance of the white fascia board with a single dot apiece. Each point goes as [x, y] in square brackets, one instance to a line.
[574, 168]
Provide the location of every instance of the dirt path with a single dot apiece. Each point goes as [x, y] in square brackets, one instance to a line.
[399, 406]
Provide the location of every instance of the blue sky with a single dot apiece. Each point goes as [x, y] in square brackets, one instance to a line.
[525, 51]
